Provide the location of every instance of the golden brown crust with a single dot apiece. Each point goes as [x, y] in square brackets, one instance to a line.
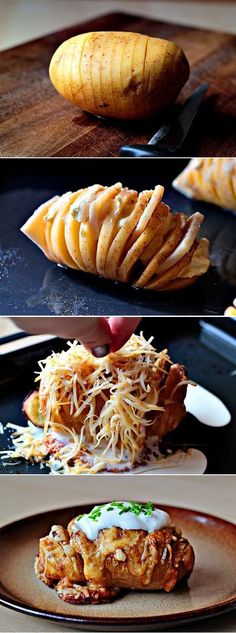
[57, 558]
[172, 398]
[94, 571]
[85, 594]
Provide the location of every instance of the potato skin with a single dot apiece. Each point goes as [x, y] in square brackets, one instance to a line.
[119, 74]
[31, 409]
[158, 560]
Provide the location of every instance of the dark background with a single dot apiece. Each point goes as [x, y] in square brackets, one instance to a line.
[181, 337]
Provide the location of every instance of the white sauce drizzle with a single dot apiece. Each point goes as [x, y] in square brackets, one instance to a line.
[127, 521]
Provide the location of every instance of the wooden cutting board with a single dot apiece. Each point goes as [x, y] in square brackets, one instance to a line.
[36, 121]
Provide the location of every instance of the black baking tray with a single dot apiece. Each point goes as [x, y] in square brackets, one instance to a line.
[182, 337]
[30, 284]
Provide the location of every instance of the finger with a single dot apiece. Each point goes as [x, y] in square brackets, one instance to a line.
[121, 330]
[93, 332]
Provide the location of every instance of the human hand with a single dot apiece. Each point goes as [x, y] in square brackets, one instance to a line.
[100, 335]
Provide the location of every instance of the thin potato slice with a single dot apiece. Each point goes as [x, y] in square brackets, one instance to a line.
[157, 241]
[172, 240]
[88, 246]
[102, 203]
[34, 227]
[192, 227]
[100, 208]
[48, 226]
[154, 202]
[117, 248]
[72, 229]
[200, 261]
[157, 218]
[104, 242]
[57, 235]
[89, 89]
[173, 272]
[110, 227]
[79, 211]
[49, 219]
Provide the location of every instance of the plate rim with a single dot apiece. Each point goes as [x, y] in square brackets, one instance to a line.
[181, 617]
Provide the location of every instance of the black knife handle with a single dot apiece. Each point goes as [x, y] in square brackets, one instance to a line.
[144, 150]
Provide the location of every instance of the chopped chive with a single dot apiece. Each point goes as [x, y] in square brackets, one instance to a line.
[130, 506]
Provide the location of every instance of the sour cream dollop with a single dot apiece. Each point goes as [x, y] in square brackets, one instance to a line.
[107, 518]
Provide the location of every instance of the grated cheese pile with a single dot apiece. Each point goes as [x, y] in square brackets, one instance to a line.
[96, 410]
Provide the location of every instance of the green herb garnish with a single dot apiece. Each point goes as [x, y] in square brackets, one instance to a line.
[149, 508]
[131, 506]
[75, 212]
[96, 512]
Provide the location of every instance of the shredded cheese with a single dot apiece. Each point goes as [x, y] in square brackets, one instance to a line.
[100, 406]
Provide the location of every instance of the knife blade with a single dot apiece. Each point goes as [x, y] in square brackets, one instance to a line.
[170, 137]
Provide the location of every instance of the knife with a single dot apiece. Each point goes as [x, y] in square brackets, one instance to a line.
[170, 137]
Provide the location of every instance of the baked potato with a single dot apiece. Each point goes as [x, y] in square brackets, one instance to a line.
[171, 414]
[93, 414]
[95, 569]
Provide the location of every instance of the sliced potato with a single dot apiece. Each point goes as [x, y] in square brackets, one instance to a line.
[57, 234]
[31, 409]
[209, 179]
[119, 74]
[172, 239]
[34, 227]
[118, 246]
[114, 232]
[172, 272]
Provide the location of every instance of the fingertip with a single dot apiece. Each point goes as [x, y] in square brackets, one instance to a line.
[101, 350]
[121, 329]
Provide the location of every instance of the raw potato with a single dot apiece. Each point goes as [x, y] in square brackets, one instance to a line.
[118, 74]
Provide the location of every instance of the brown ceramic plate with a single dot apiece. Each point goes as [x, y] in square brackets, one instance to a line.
[211, 588]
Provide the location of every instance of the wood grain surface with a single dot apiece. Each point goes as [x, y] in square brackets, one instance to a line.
[36, 121]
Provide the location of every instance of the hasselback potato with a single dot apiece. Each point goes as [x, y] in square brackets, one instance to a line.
[93, 571]
[119, 234]
[94, 414]
[119, 74]
[209, 179]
